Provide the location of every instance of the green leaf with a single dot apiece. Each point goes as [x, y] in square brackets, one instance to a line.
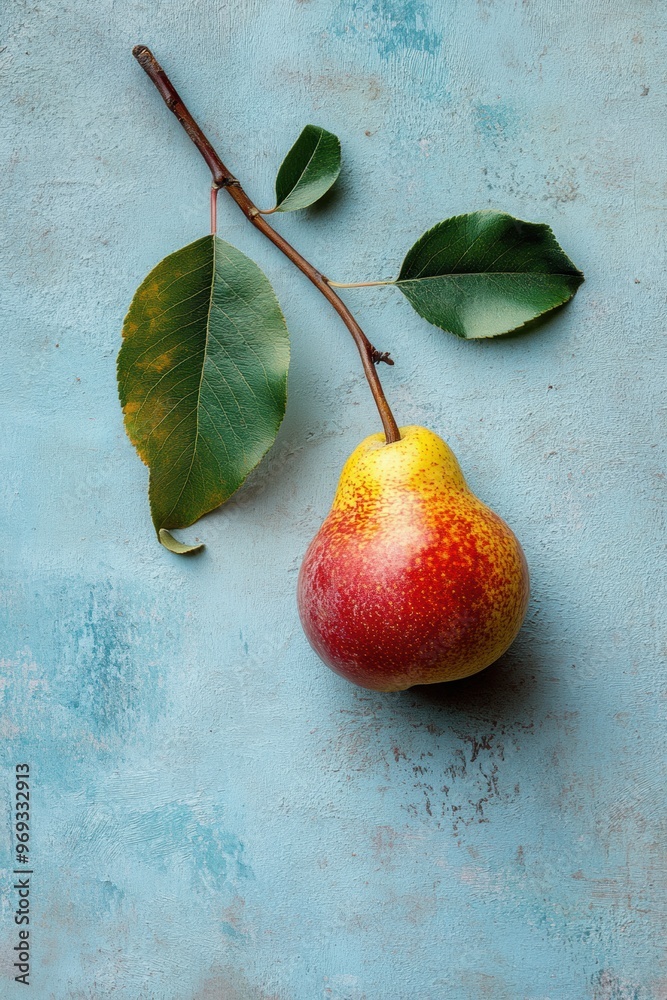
[173, 544]
[486, 273]
[309, 169]
[202, 376]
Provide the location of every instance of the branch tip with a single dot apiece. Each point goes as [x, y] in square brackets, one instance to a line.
[143, 55]
[223, 178]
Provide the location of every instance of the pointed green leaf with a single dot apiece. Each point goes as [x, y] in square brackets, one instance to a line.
[486, 273]
[202, 376]
[309, 169]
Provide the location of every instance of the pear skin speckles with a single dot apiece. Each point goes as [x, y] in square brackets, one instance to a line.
[411, 579]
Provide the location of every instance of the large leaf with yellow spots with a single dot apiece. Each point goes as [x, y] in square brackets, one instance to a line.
[202, 376]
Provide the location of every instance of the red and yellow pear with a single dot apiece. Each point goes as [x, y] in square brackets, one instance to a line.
[411, 579]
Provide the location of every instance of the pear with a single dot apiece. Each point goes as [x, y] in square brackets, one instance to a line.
[411, 579]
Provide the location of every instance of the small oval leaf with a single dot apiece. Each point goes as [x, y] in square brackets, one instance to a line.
[173, 544]
[309, 169]
[486, 273]
[202, 376]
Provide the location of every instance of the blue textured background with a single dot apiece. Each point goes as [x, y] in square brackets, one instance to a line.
[216, 816]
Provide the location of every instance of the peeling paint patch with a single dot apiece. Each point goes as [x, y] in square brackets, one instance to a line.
[177, 833]
[392, 25]
[610, 986]
[496, 121]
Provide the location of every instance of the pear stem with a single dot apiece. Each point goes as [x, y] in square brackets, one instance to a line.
[222, 178]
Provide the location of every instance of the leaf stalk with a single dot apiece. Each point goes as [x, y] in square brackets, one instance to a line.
[214, 209]
[359, 284]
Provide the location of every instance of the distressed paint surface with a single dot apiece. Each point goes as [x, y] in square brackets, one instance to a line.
[216, 814]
